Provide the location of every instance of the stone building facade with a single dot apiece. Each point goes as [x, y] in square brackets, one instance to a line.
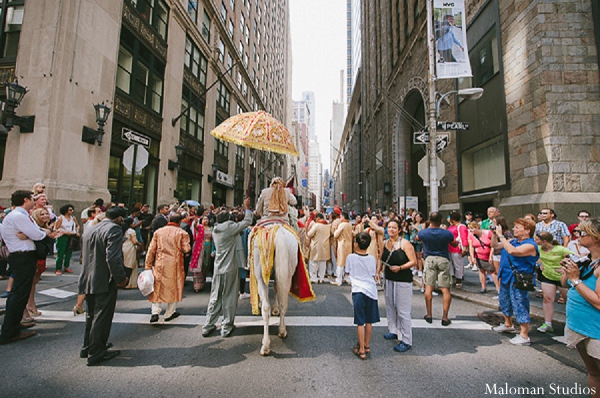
[534, 135]
[149, 61]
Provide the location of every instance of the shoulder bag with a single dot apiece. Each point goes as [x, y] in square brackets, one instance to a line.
[523, 281]
[74, 240]
[4, 251]
[482, 264]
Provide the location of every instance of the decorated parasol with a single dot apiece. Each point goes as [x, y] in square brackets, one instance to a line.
[257, 130]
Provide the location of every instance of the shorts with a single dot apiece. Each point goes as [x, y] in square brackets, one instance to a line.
[543, 279]
[366, 309]
[513, 300]
[485, 265]
[437, 269]
[496, 258]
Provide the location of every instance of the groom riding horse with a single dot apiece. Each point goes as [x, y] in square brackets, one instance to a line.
[274, 243]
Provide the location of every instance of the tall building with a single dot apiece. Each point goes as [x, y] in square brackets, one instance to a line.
[315, 169]
[353, 46]
[533, 135]
[169, 70]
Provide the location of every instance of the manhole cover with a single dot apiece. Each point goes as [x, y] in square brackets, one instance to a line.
[492, 318]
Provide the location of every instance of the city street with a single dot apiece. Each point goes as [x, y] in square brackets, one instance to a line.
[316, 359]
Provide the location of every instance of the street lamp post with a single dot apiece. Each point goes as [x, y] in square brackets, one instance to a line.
[435, 101]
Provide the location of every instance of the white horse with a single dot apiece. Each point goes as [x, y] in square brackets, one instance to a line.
[285, 263]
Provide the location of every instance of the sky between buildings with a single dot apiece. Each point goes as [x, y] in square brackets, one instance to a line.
[318, 29]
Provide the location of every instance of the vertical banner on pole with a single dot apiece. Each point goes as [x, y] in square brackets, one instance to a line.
[450, 29]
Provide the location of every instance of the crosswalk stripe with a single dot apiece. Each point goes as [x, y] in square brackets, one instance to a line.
[241, 321]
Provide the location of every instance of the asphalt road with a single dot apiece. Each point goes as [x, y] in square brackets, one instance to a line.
[316, 360]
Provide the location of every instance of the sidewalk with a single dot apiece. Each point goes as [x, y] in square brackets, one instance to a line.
[470, 292]
[65, 282]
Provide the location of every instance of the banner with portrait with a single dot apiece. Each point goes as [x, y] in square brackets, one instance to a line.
[450, 32]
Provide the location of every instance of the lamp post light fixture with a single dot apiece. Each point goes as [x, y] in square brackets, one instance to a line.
[14, 95]
[92, 136]
[178, 153]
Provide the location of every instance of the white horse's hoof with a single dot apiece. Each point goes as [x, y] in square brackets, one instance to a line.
[282, 335]
[264, 352]
[275, 312]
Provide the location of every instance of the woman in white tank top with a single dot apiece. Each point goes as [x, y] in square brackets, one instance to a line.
[67, 224]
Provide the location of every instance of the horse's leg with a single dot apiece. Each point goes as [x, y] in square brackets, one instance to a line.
[286, 261]
[263, 293]
[275, 310]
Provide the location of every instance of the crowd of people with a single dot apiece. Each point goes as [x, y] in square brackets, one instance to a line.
[364, 250]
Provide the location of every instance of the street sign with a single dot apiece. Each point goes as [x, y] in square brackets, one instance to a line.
[423, 169]
[135, 138]
[140, 157]
[462, 126]
[442, 142]
[422, 137]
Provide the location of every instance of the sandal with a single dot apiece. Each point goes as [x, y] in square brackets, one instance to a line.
[362, 355]
[367, 350]
[560, 300]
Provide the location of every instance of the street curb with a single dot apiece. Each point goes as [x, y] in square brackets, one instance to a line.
[477, 298]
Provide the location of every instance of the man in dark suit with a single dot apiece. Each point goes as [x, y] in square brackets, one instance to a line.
[161, 218]
[103, 271]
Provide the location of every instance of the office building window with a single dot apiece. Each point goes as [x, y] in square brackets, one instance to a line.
[124, 70]
[139, 72]
[223, 96]
[206, 27]
[193, 10]
[192, 121]
[240, 155]
[221, 50]
[11, 19]
[483, 166]
[223, 12]
[231, 29]
[195, 61]
[156, 13]
[229, 63]
[222, 148]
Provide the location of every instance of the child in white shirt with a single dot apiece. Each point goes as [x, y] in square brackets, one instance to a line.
[361, 268]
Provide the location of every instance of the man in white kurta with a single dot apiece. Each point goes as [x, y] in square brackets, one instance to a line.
[319, 233]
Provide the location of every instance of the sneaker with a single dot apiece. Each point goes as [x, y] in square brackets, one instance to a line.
[244, 296]
[475, 269]
[422, 290]
[434, 293]
[5, 294]
[546, 327]
[334, 282]
[415, 272]
[402, 347]
[390, 336]
[503, 328]
[420, 274]
[520, 340]
[495, 297]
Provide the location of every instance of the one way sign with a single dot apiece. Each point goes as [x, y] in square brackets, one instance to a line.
[422, 137]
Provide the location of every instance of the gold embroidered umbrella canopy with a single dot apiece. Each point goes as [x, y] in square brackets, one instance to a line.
[257, 130]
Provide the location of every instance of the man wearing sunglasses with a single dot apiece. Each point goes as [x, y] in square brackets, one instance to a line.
[582, 216]
[549, 223]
